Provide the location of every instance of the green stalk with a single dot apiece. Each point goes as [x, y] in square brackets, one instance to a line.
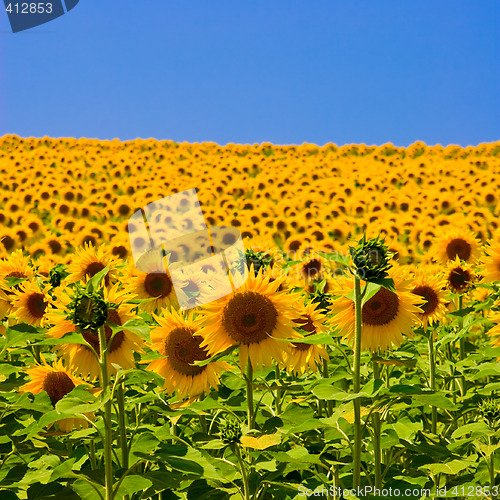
[432, 380]
[357, 385]
[108, 463]
[249, 381]
[491, 466]
[462, 344]
[277, 401]
[122, 425]
[377, 450]
[329, 403]
[243, 471]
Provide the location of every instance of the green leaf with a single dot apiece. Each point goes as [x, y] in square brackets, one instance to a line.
[439, 400]
[13, 281]
[87, 491]
[451, 467]
[132, 484]
[221, 356]
[462, 312]
[336, 257]
[386, 283]
[370, 289]
[476, 429]
[317, 338]
[137, 326]
[94, 282]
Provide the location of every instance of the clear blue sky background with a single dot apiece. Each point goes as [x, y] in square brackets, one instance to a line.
[281, 71]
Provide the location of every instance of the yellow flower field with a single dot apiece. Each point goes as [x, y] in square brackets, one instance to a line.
[361, 353]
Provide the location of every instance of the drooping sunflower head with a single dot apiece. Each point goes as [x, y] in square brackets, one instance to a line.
[371, 259]
[459, 276]
[88, 310]
[458, 243]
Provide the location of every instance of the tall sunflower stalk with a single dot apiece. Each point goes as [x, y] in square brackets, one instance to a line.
[370, 262]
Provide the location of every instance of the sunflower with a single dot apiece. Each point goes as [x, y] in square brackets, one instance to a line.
[302, 355]
[459, 276]
[30, 304]
[56, 381]
[88, 261]
[431, 289]
[459, 243]
[177, 341]
[495, 331]
[151, 282]
[385, 317]
[80, 357]
[491, 262]
[16, 265]
[253, 317]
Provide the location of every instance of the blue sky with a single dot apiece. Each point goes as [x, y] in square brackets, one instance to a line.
[281, 71]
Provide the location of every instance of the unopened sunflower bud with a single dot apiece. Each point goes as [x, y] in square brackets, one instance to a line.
[230, 431]
[88, 310]
[258, 259]
[490, 410]
[370, 259]
[57, 274]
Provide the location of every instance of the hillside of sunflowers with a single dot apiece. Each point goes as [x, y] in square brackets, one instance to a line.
[358, 360]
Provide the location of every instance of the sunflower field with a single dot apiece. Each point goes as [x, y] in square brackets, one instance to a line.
[359, 359]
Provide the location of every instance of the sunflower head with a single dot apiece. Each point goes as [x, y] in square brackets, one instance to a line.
[458, 244]
[459, 276]
[370, 258]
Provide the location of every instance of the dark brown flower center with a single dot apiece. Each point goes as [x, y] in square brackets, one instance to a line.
[381, 309]
[311, 268]
[249, 317]
[458, 247]
[36, 305]
[459, 279]
[430, 296]
[57, 385]
[158, 284]
[182, 348]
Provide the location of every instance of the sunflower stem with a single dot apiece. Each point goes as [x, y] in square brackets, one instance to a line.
[376, 436]
[202, 418]
[249, 381]
[491, 465]
[243, 471]
[329, 404]
[432, 380]
[277, 401]
[357, 384]
[122, 425]
[462, 343]
[108, 438]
